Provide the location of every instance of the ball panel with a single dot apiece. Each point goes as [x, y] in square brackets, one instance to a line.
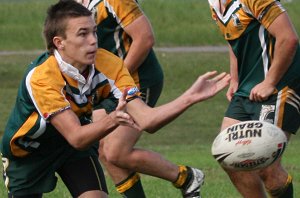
[249, 145]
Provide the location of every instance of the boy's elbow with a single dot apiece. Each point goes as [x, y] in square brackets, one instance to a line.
[151, 41]
[295, 42]
[148, 41]
[78, 143]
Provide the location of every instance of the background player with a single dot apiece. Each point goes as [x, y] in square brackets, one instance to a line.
[123, 29]
[265, 70]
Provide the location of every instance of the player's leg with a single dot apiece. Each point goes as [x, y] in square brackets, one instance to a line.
[277, 181]
[123, 161]
[126, 180]
[84, 177]
[117, 151]
[248, 183]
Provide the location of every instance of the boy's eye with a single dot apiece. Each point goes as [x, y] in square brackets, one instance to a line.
[82, 33]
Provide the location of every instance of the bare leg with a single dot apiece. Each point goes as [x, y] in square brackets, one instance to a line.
[249, 183]
[275, 176]
[120, 158]
[252, 184]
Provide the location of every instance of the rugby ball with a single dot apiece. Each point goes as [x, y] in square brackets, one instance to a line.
[249, 145]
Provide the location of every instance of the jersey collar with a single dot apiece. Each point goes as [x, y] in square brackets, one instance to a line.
[72, 71]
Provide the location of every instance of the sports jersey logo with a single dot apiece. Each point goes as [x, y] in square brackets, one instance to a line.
[267, 113]
[132, 91]
[250, 163]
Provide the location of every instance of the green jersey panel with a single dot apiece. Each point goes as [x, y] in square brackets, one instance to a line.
[244, 25]
[111, 18]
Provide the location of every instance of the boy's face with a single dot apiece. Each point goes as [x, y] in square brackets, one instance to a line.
[80, 45]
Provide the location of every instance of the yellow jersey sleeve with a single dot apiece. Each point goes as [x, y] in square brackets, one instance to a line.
[265, 11]
[125, 11]
[45, 86]
[114, 69]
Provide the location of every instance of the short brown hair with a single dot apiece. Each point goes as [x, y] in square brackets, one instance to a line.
[57, 15]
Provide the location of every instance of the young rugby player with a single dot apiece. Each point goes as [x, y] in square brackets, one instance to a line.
[50, 131]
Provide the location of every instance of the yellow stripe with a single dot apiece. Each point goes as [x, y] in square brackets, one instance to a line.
[128, 184]
[280, 191]
[30, 122]
[181, 176]
[271, 50]
[96, 172]
[283, 98]
[289, 180]
[101, 13]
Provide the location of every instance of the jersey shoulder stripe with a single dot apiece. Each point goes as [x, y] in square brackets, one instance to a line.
[242, 15]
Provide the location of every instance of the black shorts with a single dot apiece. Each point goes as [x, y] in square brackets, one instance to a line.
[83, 175]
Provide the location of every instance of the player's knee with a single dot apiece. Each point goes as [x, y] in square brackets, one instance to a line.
[115, 158]
[112, 156]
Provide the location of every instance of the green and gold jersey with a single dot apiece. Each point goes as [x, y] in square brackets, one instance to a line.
[111, 17]
[50, 86]
[244, 25]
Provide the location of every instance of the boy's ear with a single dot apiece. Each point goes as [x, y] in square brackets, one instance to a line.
[58, 42]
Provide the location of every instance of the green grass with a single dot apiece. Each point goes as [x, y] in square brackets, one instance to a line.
[187, 140]
[21, 24]
[175, 22]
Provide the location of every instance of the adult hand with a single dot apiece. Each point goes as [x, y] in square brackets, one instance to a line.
[208, 85]
[261, 91]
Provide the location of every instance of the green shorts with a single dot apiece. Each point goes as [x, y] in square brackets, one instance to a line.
[36, 173]
[279, 109]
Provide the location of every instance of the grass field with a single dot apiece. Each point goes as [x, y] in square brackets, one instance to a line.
[188, 139]
[185, 141]
[175, 22]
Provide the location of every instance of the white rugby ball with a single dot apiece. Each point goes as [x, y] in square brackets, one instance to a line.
[249, 145]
